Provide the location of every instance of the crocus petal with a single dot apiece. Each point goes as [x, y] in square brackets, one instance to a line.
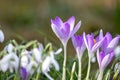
[113, 43]
[100, 57]
[111, 56]
[85, 40]
[1, 36]
[23, 73]
[75, 29]
[97, 45]
[57, 31]
[58, 22]
[90, 41]
[104, 62]
[65, 30]
[104, 45]
[83, 47]
[109, 37]
[77, 41]
[71, 21]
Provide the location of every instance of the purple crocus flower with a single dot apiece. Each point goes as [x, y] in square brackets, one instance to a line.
[79, 45]
[104, 59]
[23, 73]
[109, 43]
[107, 53]
[64, 30]
[91, 43]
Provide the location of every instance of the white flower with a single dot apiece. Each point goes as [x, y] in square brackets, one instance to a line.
[47, 63]
[37, 54]
[9, 61]
[58, 51]
[93, 59]
[9, 48]
[117, 67]
[25, 58]
[117, 51]
[31, 67]
[1, 36]
[53, 61]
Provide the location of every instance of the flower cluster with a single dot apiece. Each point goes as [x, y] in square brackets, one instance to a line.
[28, 59]
[32, 59]
[102, 45]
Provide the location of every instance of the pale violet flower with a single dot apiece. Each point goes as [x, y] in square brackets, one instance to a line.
[1, 36]
[23, 73]
[64, 30]
[79, 45]
[92, 43]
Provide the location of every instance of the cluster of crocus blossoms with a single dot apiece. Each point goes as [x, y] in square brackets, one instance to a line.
[102, 46]
[27, 61]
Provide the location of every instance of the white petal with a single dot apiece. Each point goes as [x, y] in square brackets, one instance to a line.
[56, 65]
[48, 76]
[1, 36]
[31, 67]
[37, 54]
[9, 48]
[117, 51]
[6, 58]
[24, 61]
[58, 51]
[46, 64]
[40, 48]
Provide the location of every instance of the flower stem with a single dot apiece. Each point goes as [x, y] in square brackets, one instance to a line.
[100, 75]
[37, 76]
[64, 62]
[88, 71]
[73, 70]
[79, 72]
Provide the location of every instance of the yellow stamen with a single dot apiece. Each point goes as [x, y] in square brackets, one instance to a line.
[94, 41]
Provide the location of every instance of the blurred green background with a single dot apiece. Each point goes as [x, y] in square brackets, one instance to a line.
[30, 19]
